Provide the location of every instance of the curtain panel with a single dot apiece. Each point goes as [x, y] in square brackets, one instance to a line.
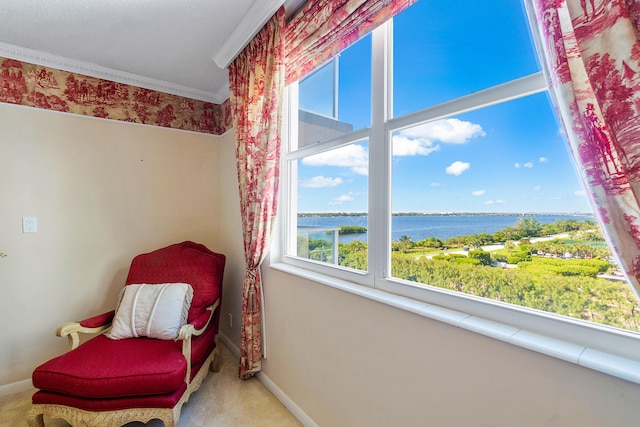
[322, 29]
[592, 55]
[256, 80]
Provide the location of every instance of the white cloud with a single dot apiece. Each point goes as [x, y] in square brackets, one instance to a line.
[352, 156]
[436, 184]
[406, 146]
[478, 193]
[494, 202]
[457, 168]
[342, 199]
[449, 131]
[580, 193]
[422, 140]
[537, 188]
[543, 160]
[321, 182]
[518, 165]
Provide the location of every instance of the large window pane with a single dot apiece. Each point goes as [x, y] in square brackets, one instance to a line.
[319, 91]
[336, 99]
[332, 206]
[488, 203]
[446, 49]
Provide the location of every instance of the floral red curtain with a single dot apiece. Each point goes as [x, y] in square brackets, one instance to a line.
[323, 28]
[256, 80]
[592, 53]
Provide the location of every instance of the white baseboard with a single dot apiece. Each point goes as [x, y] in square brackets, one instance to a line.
[15, 388]
[295, 410]
[292, 406]
[229, 344]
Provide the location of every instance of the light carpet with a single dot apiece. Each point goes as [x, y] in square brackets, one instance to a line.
[223, 400]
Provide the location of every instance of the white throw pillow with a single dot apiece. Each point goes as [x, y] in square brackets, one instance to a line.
[154, 311]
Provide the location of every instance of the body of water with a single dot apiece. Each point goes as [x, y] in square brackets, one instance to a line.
[441, 226]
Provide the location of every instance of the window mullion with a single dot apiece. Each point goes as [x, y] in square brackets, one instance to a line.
[379, 167]
[514, 89]
[290, 211]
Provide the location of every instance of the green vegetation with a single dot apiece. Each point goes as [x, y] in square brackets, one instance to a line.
[526, 228]
[558, 276]
[577, 294]
[352, 229]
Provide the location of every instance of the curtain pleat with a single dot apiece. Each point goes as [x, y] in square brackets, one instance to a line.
[322, 29]
[256, 81]
[592, 54]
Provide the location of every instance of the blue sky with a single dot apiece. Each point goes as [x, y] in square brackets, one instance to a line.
[505, 158]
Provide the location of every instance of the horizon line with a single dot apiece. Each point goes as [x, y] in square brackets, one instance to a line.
[451, 213]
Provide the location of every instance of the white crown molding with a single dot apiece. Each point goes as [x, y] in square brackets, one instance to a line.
[223, 92]
[259, 13]
[93, 70]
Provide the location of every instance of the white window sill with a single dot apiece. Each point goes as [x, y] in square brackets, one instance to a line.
[597, 359]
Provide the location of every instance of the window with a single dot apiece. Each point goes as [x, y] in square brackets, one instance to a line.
[447, 179]
[323, 235]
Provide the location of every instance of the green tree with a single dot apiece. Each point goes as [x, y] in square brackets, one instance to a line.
[405, 244]
[528, 227]
[482, 256]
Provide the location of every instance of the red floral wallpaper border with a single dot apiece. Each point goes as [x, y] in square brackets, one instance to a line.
[51, 89]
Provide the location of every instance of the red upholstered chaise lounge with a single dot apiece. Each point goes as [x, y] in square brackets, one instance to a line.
[110, 382]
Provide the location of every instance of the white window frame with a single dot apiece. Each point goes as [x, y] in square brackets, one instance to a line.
[607, 349]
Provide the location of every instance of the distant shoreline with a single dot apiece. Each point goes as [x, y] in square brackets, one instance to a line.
[441, 226]
[334, 214]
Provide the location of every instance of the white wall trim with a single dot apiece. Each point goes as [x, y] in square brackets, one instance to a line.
[297, 412]
[229, 344]
[288, 403]
[15, 388]
[93, 70]
[257, 15]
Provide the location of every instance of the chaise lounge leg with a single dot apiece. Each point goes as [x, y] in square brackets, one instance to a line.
[215, 363]
[35, 420]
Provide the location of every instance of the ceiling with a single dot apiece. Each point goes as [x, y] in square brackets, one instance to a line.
[180, 47]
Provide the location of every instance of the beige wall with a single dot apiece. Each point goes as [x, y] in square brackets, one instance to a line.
[102, 191]
[349, 361]
[231, 234]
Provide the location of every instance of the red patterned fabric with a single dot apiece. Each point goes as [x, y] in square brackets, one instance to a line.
[50, 89]
[324, 28]
[105, 368]
[256, 79]
[185, 262]
[167, 400]
[593, 55]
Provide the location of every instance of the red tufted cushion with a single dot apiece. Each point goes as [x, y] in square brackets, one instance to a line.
[104, 368]
[185, 262]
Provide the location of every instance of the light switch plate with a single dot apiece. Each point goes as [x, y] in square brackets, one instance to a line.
[29, 224]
